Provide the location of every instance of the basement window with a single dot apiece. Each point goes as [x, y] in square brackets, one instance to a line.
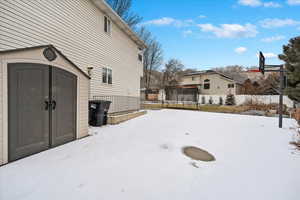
[107, 75]
[107, 25]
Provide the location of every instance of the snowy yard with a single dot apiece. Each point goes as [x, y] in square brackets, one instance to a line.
[142, 160]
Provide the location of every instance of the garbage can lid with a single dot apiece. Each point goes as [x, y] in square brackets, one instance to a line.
[99, 101]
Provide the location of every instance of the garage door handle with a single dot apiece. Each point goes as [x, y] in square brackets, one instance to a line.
[53, 105]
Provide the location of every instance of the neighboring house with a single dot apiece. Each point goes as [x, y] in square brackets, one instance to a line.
[211, 83]
[90, 34]
[214, 83]
[54, 57]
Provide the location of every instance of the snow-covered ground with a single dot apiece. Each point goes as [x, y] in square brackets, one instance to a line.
[142, 160]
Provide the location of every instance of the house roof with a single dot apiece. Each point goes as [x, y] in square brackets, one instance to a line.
[208, 72]
[236, 79]
[107, 10]
[52, 47]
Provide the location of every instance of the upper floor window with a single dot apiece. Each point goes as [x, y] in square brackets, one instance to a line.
[207, 84]
[140, 57]
[230, 85]
[106, 75]
[193, 78]
[107, 25]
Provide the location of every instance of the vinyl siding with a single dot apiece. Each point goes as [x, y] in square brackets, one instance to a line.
[218, 84]
[75, 27]
[187, 80]
[1, 116]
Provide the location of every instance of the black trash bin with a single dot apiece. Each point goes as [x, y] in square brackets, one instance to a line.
[98, 110]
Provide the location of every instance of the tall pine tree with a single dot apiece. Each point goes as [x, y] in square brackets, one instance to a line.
[291, 57]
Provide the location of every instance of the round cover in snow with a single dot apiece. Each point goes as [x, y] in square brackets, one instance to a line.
[198, 154]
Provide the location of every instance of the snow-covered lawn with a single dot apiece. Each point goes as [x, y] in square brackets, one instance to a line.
[142, 160]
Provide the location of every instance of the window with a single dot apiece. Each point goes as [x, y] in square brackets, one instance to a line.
[207, 84]
[140, 57]
[106, 75]
[109, 76]
[193, 78]
[230, 85]
[107, 25]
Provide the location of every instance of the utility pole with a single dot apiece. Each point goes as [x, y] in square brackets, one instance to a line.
[281, 95]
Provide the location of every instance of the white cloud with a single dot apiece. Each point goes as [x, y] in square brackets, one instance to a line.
[160, 22]
[230, 30]
[168, 21]
[257, 3]
[270, 55]
[293, 2]
[187, 33]
[252, 3]
[272, 4]
[201, 16]
[240, 50]
[273, 38]
[276, 23]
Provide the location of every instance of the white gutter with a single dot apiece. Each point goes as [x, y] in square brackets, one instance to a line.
[107, 10]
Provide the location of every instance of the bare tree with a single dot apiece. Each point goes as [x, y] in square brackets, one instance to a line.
[250, 88]
[153, 56]
[172, 72]
[230, 69]
[263, 86]
[123, 9]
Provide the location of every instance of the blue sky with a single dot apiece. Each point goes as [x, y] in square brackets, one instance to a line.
[214, 33]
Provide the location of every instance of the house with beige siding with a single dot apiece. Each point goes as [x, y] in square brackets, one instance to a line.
[55, 56]
[211, 83]
[202, 83]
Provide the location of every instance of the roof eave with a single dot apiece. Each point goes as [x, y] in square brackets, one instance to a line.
[104, 7]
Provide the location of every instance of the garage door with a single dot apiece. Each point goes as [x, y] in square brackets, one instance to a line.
[42, 108]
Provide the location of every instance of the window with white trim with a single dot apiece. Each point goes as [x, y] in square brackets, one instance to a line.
[107, 25]
[106, 75]
[140, 57]
[207, 84]
[230, 85]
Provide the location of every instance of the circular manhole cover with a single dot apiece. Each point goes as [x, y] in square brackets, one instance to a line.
[198, 154]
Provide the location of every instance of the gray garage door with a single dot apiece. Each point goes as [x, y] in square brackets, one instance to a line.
[42, 108]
